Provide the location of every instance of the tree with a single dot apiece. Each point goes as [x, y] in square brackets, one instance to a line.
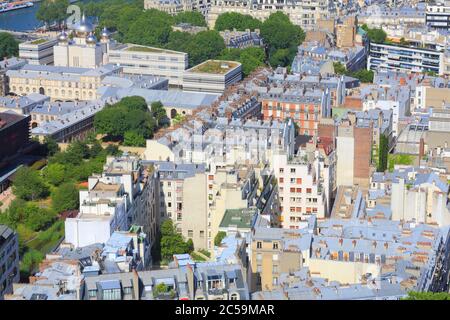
[65, 197]
[28, 184]
[383, 153]
[278, 33]
[9, 47]
[36, 218]
[192, 17]
[234, 20]
[219, 237]
[339, 68]
[55, 173]
[159, 113]
[133, 139]
[179, 41]
[51, 146]
[53, 11]
[205, 45]
[111, 121]
[413, 295]
[375, 35]
[251, 58]
[365, 76]
[152, 27]
[172, 242]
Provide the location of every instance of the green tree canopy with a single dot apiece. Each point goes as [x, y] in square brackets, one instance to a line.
[28, 184]
[205, 45]
[374, 34]
[55, 173]
[413, 295]
[9, 47]
[194, 18]
[251, 58]
[150, 28]
[172, 242]
[65, 197]
[282, 38]
[133, 139]
[138, 120]
[219, 237]
[234, 20]
[52, 11]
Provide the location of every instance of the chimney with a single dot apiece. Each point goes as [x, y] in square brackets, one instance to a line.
[374, 244]
[354, 243]
[190, 281]
[136, 290]
[341, 241]
[386, 245]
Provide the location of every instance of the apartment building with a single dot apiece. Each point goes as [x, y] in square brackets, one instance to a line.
[438, 14]
[9, 260]
[212, 76]
[171, 7]
[305, 108]
[384, 57]
[276, 251]
[242, 39]
[185, 280]
[421, 196]
[125, 193]
[305, 185]
[144, 60]
[353, 154]
[183, 198]
[302, 13]
[38, 51]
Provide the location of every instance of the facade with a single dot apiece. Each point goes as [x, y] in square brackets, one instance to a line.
[5, 65]
[125, 194]
[385, 57]
[306, 111]
[438, 14]
[14, 135]
[170, 6]
[185, 280]
[9, 260]
[242, 39]
[304, 186]
[302, 13]
[38, 51]
[143, 60]
[60, 83]
[212, 76]
[82, 50]
[183, 199]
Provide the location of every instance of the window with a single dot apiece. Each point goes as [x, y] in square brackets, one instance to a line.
[179, 216]
[169, 204]
[275, 281]
[169, 194]
[92, 293]
[299, 190]
[292, 170]
[292, 180]
[190, 233]
[234, 296]
[275, 257]
[259, 268]
[275, 245]
[299, 180]
[202, 234]
[308, 190]
[275, 269]
[281, 170]
[259, 245]
[259, 257]
[281, 180]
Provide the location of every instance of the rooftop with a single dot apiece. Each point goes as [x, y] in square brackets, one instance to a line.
[215, 66]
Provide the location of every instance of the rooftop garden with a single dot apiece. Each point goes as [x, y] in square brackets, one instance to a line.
[144, 49]
[215, 66]
[39, 41]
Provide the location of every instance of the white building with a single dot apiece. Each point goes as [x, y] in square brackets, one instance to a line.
[38, 51]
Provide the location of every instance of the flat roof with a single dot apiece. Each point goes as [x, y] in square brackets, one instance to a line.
[241, 218]
[215, 66]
